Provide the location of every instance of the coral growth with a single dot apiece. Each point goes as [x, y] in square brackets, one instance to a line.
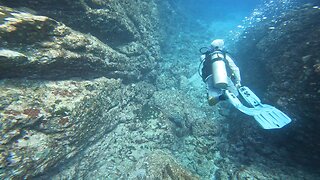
[31, 112]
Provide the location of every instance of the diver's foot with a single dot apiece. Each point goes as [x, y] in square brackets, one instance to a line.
[212, 101]
[223, 97]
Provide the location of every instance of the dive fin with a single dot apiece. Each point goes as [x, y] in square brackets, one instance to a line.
[267, 116]
[249, 96]
[271, 117]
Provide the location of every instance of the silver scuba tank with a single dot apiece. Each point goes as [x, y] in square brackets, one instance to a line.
[219, 72]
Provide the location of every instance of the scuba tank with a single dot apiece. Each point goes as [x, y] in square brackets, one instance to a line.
[219, 71]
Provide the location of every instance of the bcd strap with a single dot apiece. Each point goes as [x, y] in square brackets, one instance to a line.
[218, 58]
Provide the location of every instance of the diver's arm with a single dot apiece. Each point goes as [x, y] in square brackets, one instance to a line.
[234, 68]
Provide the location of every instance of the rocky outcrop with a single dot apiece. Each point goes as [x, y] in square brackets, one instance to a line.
[160, 165]
[76, 108]
[280, 58]
[64, 96]
[125, 151]
[40, 47]
[45, 122]
[113, 22]
[130, 29]
[59, 95]
[171, 102]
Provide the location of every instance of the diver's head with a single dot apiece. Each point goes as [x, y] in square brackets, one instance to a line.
[217, 44]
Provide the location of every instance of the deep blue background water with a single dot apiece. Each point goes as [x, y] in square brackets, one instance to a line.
[212, 10]
[225, 18]
[219, 16]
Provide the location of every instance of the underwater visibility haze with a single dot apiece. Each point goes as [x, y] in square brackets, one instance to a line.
[105, 89]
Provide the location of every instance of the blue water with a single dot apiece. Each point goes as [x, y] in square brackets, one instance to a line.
[230, 20]
[220, 17]
[198, 137]
[227, 18]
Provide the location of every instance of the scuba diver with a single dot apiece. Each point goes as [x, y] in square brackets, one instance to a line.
[223, 82]
[215, 60]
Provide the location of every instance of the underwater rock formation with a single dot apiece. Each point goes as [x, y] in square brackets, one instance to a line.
[125, 152]
[171, 103]
[40, 47]
[160, 165]
[130, 29]
[62, 98]
[280, 57]
[95, 106]
[113, 22]
[58, 98]
[44, 122]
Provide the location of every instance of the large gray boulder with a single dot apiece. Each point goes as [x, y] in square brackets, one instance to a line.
[132, 29]
[43, 122]
[279, 58]
[40, 47]
[46, 122]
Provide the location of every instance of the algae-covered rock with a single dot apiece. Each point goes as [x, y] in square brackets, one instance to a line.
[284, 52]
[161, 165]
[46, 122]
[119, 24]
[11, 59]
[49, 49]
[180, 109]
[279, 57]
[114, 22]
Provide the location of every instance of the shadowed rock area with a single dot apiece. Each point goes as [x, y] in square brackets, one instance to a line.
[61, 107]
[57, 92]
[42, 122]
[104, 89]
[49, 49]
[280, 59]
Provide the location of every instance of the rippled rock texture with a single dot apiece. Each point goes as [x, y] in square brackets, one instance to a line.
[40, 47]
[63, 96]
[44, 122]
[65, 93]
[47, 48]
[72, 104]
[280, 57]
[113, 22]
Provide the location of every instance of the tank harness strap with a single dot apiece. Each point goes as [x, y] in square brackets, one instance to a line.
[218, 58]
[224, 58]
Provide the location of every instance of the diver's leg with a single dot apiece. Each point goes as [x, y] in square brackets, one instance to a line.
[232, 88]
[213, 93]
